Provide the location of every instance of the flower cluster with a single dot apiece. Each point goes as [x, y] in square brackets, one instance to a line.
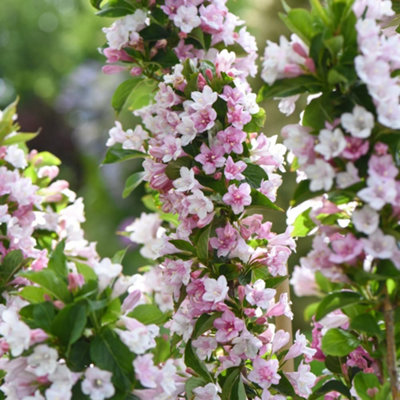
[141, 40]
[70, 322]
[348, 193]
[214, 179]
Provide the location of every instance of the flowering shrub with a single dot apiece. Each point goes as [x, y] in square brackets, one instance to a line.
[66, 323]
[345, 153]
[212, 178]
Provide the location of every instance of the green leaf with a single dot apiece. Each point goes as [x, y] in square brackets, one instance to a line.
[204, 323]
[330, 386]
[70, 323]
[317, 112]
[192, 383]
[166, 57]
[96, 3]
[19, 138]
[232, 376]
[119, 256]
[34, 294]
[142, 95]
[334, 45]
[108, 352]
[202, 244]
[117, 154]
[183, 245]
[87, 272]
[132, 183]
[12, 263]
[284, 386]
[192, 361]
[337, 342]
[113, 312]
[303, 224]
[39, 315]
[254, 175]
[290, 87]
[257, 122]
[148, 314]
[122, 93]
[238, 390]
[259, 199]
[362, 382]
[365, 323]
[50, 281]
[58, 260]
[45, 158]
[336, 300]
[334, 364]
[162, 351]
[79, 355]
[112, 11]
[173, 170]
[154, 32]
[301, 22]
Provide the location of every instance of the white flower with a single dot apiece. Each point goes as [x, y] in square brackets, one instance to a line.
[321, 175]
[359, 123]
[187, 129]
[331, 144]
[182, 325]
[15, 332]
[97, 384]
[43, 360]
[256, 294]
[207, 392]
[199, 204]
[303, 380]
[246, 344]
[106, 271]
[187, 180]
[134, 139]
[379, 245]
[204, 99]
[349, 177]
[215, 290]
[36, 396]
[62, 382]
[378, 192]
[16, 157]
[186, 18]
[365, 220]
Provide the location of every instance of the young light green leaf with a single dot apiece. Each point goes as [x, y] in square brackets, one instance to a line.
[132, 183]
[337, 342]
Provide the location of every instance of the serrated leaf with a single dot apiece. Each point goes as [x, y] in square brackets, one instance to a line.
[132, 183]
[336, 300]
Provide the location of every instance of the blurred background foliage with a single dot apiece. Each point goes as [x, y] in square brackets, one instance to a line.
[50, 58]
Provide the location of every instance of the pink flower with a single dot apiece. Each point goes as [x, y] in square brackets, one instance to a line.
[303, 380]
[215, 290]
[233, 170]
[145, 370]
[379, 245]
[238, 197]
[265, 372]
[212, 18]
[228, 326]
[75, 281]
[257, 295]
[231, 139]
[186, 18]
[211, 159]
[378, 192]
[207, 392]
[246, 345]
[345, 248]
[281, 308]
[300, 347]
[225, 241]
[203, 99]
[204, 346]
[204, 119]
[281, 338]
[355, 148]
[199, 204]
[382, 167]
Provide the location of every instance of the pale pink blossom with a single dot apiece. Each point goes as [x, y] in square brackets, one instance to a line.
[365, 220]
[379, 191]
[204, 346]
[246, 345]
[207, 392]
[348, 177]
[359, 123]
[231, 139]
[228, 326]
[300, 347]
[186, 181]
[145, 370]
[379, 245]
[186, 18]
[234, 170]
[238, 197]
[199, 204]
[215, 289]
[97, 384]
[331, 143]
[303, 380]
[258, 295]
[345, 248]
[225, 241]
[265, 372]
[321, 175]
[210, 158]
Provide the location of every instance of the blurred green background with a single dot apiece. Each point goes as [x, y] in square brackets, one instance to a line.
[50, 58]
